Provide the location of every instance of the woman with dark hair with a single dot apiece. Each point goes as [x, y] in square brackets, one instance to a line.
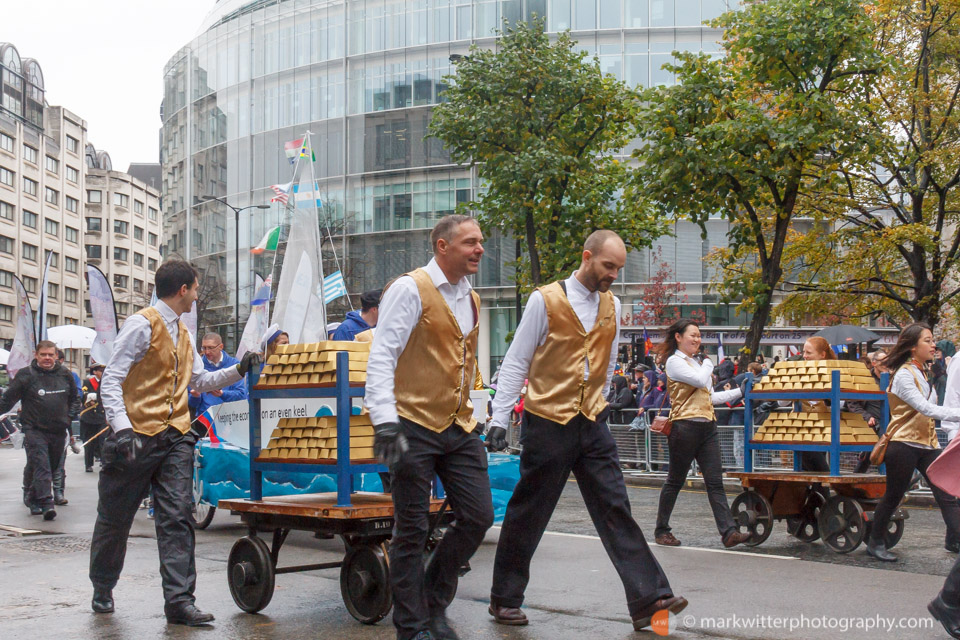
[913, 440]
[694, 434]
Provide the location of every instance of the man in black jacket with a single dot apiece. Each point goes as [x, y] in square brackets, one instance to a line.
[50, 400]
[92, 418]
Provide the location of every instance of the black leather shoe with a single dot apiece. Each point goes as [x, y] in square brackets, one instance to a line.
[59, 499]
[102, 601]
[879, 551]
[49, 513]
[952, 547]
[513, 616]
[36, 511]
[440, 628]
[948, 616]
[673, 604]
[89, 469]
[189, 615]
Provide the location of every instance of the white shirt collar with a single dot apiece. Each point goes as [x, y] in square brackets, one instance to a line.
[577, 287]
[439, 279]
[680, 353]
[169, 315]
[217, 363]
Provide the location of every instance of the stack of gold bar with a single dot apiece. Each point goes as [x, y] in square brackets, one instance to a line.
[315, 439]
[313, 364]
[813, 428]
[812, 375]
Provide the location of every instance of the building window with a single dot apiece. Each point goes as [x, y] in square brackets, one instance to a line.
[71, 235]
[120, 281]
[138, 207]
[70, 294]
[73, 145]
[6, 245]
[137, 259]
[53, 290]
[52, 320]
[73, 175]
[6, 313]
[6, 142]
[51, 164]
[30, 219]
[152, 264]
[94, 251]
[7, 177]
[52, 196]
[94, 224]
[94, 196]
[153, 239]
[51, 226]
[138, 285]
[72, 204]
[71, 264]
[122, 308]
[29, 251]
[6, 279]
[6, 211]
[138, 233]
[30, 187]
[152, 214]
[119, 253]
[121, 226]
[121, 200]
[54, 258]
[30, 284]
[30, 154]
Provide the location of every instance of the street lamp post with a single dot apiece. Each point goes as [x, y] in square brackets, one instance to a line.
[236, 261]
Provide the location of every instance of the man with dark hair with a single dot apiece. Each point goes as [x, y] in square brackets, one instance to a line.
[215, 359]
[49, 401]
[150, 447]
[419, 376]
[360, 321]
[92, 418]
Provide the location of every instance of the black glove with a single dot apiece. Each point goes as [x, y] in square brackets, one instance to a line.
[250, 359]
[128, 445]
[496, 439]
[389, 443]
[743, 384]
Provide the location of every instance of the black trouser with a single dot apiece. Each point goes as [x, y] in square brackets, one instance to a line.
[44, 454]
[814, 461]
[951, 586]
[700, 441]
[165, 464]
[901, 459]
[460, 460]
[550, 452]
[91, 450]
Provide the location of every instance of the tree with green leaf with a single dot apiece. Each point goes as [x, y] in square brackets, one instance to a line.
[542, 124]
[891, 246]
[751, 135]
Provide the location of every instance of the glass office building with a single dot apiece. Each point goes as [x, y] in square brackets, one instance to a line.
[362, 76]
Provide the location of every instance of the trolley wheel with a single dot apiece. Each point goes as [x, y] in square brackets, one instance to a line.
[753, 511]
[841, 523]
[803, 526]
[893, 534]
[250, 574]
[365, 583]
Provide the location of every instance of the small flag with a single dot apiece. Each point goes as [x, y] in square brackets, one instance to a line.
[720, 355]
[303, 153]
[206, 419]
[282, 192]
[647, 343]
[333, 287]
[292, 149]
[306, 197]
[268, 242]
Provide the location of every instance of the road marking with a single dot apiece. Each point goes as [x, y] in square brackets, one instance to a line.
[681, 548]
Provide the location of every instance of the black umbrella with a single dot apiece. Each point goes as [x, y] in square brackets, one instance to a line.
[847, 334]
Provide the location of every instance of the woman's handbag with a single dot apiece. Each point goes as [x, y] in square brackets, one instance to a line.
[661, 424]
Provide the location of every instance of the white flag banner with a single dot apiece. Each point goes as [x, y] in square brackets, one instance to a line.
[42, 305]
[259, 318]
[720, 355]
[189, 320]
[333, 287]
[24, 340]
[300, 277]
[104, 315]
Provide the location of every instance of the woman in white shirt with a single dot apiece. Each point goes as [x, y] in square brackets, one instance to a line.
[694, 434]
[913, 439]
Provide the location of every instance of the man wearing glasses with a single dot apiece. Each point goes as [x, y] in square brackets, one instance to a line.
[214, 359]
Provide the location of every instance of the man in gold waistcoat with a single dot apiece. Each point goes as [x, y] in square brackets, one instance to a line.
[150, 445]
[419, 376]
[566, 345]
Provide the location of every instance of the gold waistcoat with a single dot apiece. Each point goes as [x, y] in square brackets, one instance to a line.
[556, 389]
[435, 372]
[155, 390]
[688, 401]
[910, 424]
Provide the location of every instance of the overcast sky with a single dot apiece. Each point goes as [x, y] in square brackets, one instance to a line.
[103, 60]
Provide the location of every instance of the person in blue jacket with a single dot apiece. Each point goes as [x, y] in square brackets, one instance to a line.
[359, 321]
[214, 358]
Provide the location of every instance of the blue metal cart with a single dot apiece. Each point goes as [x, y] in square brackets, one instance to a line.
[803, 498]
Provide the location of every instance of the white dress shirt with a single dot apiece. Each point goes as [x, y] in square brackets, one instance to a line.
[400, 311]
[951, 399]
[904, 386]
[683, 368]
[131, 345]
[532, 332]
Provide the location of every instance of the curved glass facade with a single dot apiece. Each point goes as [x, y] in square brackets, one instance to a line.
[361, 76]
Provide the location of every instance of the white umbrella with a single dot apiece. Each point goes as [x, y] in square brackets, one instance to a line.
[72, 336]
[4, 356]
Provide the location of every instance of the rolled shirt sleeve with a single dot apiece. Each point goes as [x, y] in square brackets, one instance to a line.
[905, 387]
